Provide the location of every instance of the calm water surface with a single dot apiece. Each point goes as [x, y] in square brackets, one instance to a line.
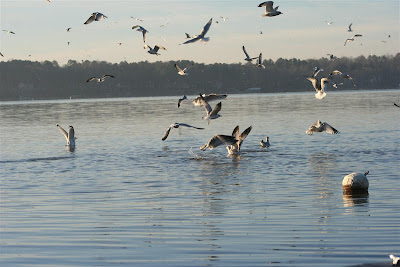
[126, 198]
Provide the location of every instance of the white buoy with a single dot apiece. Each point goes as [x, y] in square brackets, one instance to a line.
[355, 182]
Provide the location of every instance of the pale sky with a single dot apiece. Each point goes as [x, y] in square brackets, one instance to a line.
[300, 32]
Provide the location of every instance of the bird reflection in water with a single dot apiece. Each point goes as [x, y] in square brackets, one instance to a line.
[355, 202]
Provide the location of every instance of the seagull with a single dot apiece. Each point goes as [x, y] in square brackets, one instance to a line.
[223, 18]
[329, 23]
[331, 57]
[396, 260]
[232, 142]
[202, 34]
[9, 32]
[350, 30]
[319, 127]
[261, 32]
[176, 125]
[68, 43]
[1, 54]
[153, 51]
[208, 98]
[269, 10]
[319, 86]
[188, 36]
[119, 43]
[343, 75]
[164, 25]
[266, 143]
[182, 99]
[96, 16]
[182, 71]
[352, 38]
[211, 113]
[259, 62]
[137, 19]
[70, 135]
[248, 58]
[336, 84]
[68, 29]
[99, 80]
[141, 29]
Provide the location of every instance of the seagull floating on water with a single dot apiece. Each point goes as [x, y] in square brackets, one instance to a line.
[248, 58]
[269, 10]
[259, 62]
[319, 127]
[141, 29]
[202, 34]
[266, 143]
[211, 113]
[154, 51]
[395, 260]
[351, 39]
[177, 125]
[182, 71]
[96, 16]
[99, 80]
[70, 135]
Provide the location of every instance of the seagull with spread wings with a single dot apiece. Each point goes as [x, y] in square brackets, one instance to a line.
[342, 75]
[202, 34]
[319, 127]
[141, 29]
[99, 80]
[182, 71]
[154, 51]
[248, 58]
[9, 32]
[270, 11]
[351, 39]
[319, 86]
[211, 113]
[96, 16]
[177, 125]
[70, 135]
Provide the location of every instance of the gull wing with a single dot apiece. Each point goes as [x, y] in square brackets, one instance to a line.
[268, 6]
[190, 126]
[192, 40]
[166, 134]
[91, 18]
[316, 71]
[235, 132]
[227, 139]
[178, 69]
[329, 129]
[188, 35]
[336, 72]
[205, 104]
[314, 82]
[91, 79]
[357, 35]
[63, 131]
[212, 143]
[135, 26]
[206, 28]
[107, 75]
[245, 133]
[188, 67]
[144, 36]
[157, 47]
[216, 109]
[244, 50]
[213, 97]
[350, 26]
[181, 99]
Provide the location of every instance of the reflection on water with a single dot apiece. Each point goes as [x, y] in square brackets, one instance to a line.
[353, 202]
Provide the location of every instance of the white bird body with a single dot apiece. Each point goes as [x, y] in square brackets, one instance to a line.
[96, 16]
[212, 114]
[270, 11]
[70, 135]
[177, 125]
[265, 143]
[259, 62]
[319, 127]
[329, 23]
[248, 58]
[99, 80]
[202, 34]
[319, 87]
[141, 29]
[395, 260]
[154, 51]
[355, 182]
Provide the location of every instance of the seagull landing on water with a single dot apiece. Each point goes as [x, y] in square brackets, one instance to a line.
[349, 29]
[259, 62]
[395, 260]
[351, 39]
[202, 34]
[154, 51]
[248, 58]
[211, 113]
[319, 127]
[96, 16]
[177, 125]
[141, 29]
[232, 142]
[265, 143]
[70, 135]
[319, 87]
[182, 71]
[342, 75]
[269, 10]
[99, 80]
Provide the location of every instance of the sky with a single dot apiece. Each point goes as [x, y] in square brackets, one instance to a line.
[300, 32]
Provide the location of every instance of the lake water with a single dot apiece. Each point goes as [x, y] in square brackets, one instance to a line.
[126, 198]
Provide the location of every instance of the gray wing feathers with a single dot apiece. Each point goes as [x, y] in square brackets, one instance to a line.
[245, 133]
[206, 28]
[329, 129]
[216, 109]
[63, 131]
[166, 134]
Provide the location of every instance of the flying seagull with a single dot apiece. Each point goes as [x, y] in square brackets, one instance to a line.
[351, 39]
[331, 57]
[223, 18]
[269, 10]
[319, 127]
[319, 86]
[248, 58]
[176, 125]
[211, 113]
[329, 23]
[1, 54]
[232, 142]
[202, 34]
[342, 75]
[99, 80]
[9, 32]
[119, 43]
[182, 71]
[396, 260]
[96, 16]
[141, 29]
[259, 62]
[68, 29]
[350, 30]
[70, 135]
[153, 51]
[137, 19]
[265, 143]
[182, 99]
[198, 102]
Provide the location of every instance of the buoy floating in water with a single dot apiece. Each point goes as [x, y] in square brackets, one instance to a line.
[355, 182]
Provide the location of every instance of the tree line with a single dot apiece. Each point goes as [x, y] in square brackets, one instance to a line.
[21, 80]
